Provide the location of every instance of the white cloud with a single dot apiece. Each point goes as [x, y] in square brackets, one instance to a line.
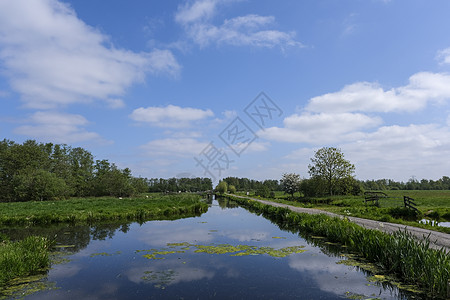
[248, 30]
[402, 151]
[198, 10]
[423, 87]
[444, 56]
[170, 116]
[52, 58]
[58, 128]
[320, 128]
[395, 152]
[183, 147]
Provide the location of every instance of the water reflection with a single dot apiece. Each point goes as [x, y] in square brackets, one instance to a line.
[106, 264]
[435, 223]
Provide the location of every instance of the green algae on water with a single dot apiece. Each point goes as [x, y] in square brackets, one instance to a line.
[238, 250]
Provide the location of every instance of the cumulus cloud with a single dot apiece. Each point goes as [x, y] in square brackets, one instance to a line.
[401, 151]
[52, 58]
[170, 116]
[58, 128]
[320, 128]
[423, 88]
[249, 30]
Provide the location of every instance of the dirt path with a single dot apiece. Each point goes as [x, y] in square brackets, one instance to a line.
[438, 240]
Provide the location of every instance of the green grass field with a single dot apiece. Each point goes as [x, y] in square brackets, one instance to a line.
[100, 209]
[432, 204]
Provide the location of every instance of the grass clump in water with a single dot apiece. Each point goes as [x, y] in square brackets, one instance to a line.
[23, 258]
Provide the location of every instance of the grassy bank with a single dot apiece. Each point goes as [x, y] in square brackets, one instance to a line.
[399, 254]
[431, 204]
[88, 210]
[23, 258]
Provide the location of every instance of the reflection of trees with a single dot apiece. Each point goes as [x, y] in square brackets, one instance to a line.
[78, 236]
[226, 203]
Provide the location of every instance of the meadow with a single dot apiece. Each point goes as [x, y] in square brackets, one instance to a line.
[94, 209]
[432, 204]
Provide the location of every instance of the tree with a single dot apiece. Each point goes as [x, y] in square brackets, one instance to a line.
[290, 183]
[222, 187]
[38, 185]
[330, 166]
[232, 189]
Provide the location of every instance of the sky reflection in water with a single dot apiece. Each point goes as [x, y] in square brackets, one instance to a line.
[117, 271]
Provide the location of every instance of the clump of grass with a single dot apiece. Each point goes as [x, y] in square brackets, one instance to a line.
[405, 213]
[412, 261]
[23, 258]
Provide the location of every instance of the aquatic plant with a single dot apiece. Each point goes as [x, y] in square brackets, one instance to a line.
[233, 250]
[27, 257]
[413, 261]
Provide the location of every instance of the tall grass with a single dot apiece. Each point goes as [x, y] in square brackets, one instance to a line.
[27, 257]
[412, 261]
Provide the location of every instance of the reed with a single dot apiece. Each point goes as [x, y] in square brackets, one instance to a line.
[412, 261]
[23, 258]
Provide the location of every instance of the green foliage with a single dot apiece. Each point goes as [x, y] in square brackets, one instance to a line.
[222, 187]
[405, 213]
[180, 184]
[330, 166]
[232, 189]
[23, 258]
[39, 185]
[245, 184]
[290, 183]
[313, 187]
[263, 191]
[412, 184]
[35, 171]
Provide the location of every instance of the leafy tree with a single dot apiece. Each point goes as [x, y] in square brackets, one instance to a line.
[82, 168]
[331, 167]
[232, 189]
[38, 185]
[290, 183]
[222, 187]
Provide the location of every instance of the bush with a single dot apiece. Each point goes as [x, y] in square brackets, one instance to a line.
[405, 213]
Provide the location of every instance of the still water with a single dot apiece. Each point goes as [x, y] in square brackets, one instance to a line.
[161, 260]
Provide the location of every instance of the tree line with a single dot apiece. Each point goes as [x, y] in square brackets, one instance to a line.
[330, 174]
[35, 171]
[173, 185]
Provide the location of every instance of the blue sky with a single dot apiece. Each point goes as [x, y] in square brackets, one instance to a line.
[174, 87]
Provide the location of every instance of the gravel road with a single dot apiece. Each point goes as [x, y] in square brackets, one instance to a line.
[438, 240]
